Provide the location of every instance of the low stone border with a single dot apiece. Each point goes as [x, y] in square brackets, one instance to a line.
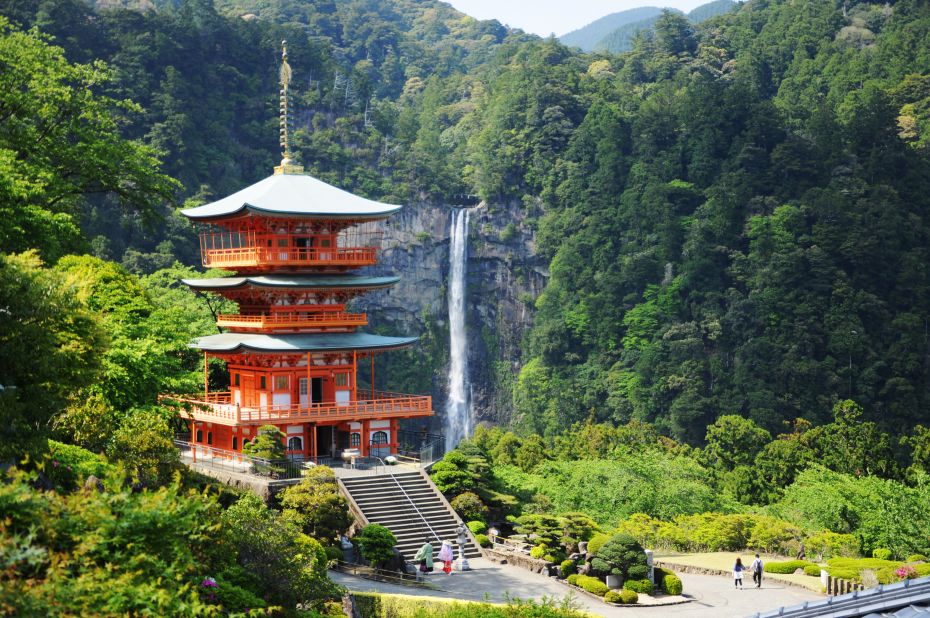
[517, 559]
[645, 600]
[696, 570]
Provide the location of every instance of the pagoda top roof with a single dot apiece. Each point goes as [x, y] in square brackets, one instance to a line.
[308, 342]
[293, 195]
[284, 281]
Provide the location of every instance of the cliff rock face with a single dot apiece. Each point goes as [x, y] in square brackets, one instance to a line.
[504, 279]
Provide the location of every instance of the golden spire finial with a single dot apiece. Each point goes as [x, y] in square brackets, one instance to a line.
[287, 165]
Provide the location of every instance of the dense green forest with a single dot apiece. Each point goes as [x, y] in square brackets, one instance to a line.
[735, 217]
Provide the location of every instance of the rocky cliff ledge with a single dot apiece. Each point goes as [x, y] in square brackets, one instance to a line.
[504, 279]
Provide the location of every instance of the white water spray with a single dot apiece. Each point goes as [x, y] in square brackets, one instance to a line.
[458, 410]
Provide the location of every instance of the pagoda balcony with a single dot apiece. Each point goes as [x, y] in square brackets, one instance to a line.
[292, 321]
[350, 248]
[219, 408]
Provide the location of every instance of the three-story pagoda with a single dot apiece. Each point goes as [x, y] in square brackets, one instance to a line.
[293, 350]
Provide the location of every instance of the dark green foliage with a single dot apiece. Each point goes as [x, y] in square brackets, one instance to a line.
[642, 586]
[622, 556]
[469, 506]
[376, 544]
[592, 585]
[317, 506]
[788, 566]
[669, 583]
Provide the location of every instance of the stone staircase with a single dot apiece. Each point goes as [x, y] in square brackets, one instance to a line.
[411, 507]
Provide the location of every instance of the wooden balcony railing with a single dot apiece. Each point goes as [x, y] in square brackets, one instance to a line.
[283, 321]
[257, 257]
[219, 408]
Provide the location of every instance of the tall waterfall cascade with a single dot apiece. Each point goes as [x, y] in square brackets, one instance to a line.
[458, 407]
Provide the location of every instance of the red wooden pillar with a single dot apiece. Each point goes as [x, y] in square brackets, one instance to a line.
[194, 441]
[394, 441]
[366, 436]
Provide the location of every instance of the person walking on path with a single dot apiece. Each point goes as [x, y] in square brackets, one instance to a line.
[446, 556]
[424, 559]
[756, 568]
[738, 574]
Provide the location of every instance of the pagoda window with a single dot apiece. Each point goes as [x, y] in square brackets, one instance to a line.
[236, 379]
[209, 437]
[295, 443]
[280, 383]
[199, 436]
[355, 440]
[379, 437]
[341, 379]
[235, 445]
[262, 384]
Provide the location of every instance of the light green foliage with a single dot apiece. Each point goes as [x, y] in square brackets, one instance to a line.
[573, 579]
[831, 544]
[320, 510]
[69, 465]
[483, 540]
[506, 449]
[813, 570]
[287, 566]
[642, 586]
[376, 544]
[787, 566]
[592, 585]
[477, 527]
[469, 506]
[669, 583]
[622, 556]
[733, 441]
[372, 605]
[597, 541]
[545, 529]
[539, 551]
[531, 453]
[612, 596]
[916, 558]
[566, 568]
[881, 553]
[143, 442]
[628, 597]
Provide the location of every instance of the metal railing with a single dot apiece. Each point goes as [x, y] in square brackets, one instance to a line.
[425, 448]
[295, 256]
[226, 460]
[220, 407]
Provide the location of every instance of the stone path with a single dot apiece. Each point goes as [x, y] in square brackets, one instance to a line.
[713, 597]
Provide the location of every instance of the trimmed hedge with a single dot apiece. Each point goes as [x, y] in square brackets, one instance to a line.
[642, 586]
[787, 567]
[483, 540]
[612, 596]
[917, 558]
[477, 527]
[592, 585]
[841, 573]
[539, 551]
[881, 553]
[573, 579]
[812, 570]
[669, 583]
[628, 597]
[371, 605]
[597, 541]
[566, 568]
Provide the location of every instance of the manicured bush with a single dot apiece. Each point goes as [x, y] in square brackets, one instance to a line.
[376, 544]
[469, 506]
[539, 551]
[477, 527]
[642, 586]
[483, 540]
[573, 579]
[671, 584]
[613, 596]
[916, 558]
[373, 605]
[841, 573]
[566, 568]
[881, 553]
[862, 563]
[812, 570]
[786, 567]
[333, 553]
[832, 545]
[628, 597]
[638, 571]
[597, 541]
[592, 585]
[623, 556]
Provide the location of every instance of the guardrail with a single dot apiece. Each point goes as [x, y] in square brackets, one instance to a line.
[242, 463]
[326, 319]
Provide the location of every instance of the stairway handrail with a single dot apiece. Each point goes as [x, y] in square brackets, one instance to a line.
[413, 504]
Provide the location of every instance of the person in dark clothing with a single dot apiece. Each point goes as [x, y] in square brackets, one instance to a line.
[756, 568]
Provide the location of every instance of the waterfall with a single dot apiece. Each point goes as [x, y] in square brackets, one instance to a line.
[458, 412]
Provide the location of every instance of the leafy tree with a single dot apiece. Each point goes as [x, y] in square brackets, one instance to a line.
[376, 544]
[451, 475]
[733, 440]
[268, 443]
[531, 454]
[143, 442]
[622, 556]
[318, 507]
[470, 506]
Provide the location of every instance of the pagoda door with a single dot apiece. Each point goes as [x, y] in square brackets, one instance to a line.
[303, 392]
[248, 390]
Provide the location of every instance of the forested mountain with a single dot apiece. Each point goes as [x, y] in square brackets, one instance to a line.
[621, 39]
[588, 36]
[735, 214]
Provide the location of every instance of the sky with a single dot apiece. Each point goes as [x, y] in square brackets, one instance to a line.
[545, 17]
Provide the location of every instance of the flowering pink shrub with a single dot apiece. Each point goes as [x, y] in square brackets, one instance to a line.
[906, 572]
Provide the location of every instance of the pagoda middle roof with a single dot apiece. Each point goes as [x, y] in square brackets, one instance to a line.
[293, 195]
[306, 342]
[285, 281]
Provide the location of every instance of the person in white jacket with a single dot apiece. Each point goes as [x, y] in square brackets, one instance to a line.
[446, 556]
[756, 568]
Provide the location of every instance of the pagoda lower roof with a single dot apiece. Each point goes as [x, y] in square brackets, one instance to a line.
[293, 195]
[308, 342]
[294, 282]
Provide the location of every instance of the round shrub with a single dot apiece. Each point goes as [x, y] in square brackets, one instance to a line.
[813, 570]
[622, 556]
[671, 584]
[469, 506]
[333, 553]
[642, 586]
[628, 597]
[881, 553]
[592, 585]
[613, 596]
[566, 568]
[843, 573]
[787, 567]
[539, 551]
[917, 558]
[376, 544]
[573, 579]
[477, 527]
[597, 541]
[483, 540]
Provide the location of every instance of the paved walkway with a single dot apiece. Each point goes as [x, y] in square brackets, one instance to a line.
[714, 597]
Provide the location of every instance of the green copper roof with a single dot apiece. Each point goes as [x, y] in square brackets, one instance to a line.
[293, 195]
[285, 281]
[316, 342]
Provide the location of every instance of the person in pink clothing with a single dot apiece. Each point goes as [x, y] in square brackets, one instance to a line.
[446, 557]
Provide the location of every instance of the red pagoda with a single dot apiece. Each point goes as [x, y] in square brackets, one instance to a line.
[293, 349]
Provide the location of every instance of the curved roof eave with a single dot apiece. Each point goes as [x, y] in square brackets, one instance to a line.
[283, 281]
[314, 342]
